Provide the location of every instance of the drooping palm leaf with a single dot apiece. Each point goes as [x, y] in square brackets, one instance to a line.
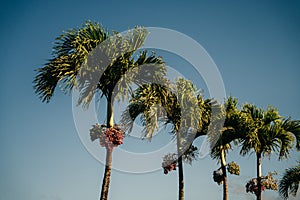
[69, 51]
[289, 183]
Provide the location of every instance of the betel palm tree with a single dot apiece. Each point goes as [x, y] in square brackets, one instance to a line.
[182, 110]
[183, 115]
[93, 60]
[229, 133]
[268, 133]
[289, 183]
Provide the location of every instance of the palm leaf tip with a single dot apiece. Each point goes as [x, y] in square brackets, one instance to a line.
[45, 82]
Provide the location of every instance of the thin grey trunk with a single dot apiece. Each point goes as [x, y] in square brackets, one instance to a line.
[258, 171]
[180, 179]
[106, 177]
[180, 171]
[107, 171]
[225, 183]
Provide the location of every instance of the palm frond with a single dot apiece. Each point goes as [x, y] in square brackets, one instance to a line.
[69, 52]
[289, 183]
[293, 126]
[148, 101]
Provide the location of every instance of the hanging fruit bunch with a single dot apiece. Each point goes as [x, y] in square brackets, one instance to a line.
[169, 162]
[268, 182]
[108, 137]
[233, 168]
[252, 186]
[218, 176]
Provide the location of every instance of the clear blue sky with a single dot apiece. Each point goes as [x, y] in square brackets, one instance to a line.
[255, 44]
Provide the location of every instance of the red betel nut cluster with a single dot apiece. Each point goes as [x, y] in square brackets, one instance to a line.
[252, 186]
[111, 138]
[169, 168]
[169, 162]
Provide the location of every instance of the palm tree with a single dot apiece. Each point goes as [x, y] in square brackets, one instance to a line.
[267, 133]
[79, 62]
[174, 102]
[229, 133]
[182, 120]
[289, 183]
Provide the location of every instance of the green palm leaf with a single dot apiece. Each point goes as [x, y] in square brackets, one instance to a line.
[289, 183]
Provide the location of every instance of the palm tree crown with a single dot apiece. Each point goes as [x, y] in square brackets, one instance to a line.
[268, 132]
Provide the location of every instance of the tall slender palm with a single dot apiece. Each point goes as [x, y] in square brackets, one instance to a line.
[77, 62]
[230, 133]
[182, 120]
[173, 102]
[289, 183]
[268, 133]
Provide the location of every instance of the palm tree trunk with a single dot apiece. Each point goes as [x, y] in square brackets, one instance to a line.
[106, 178]
[180, 170]
[180, 179]
[107, 171]
[225, 183]
[258, 171]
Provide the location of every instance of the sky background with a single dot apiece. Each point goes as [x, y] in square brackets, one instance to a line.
[255, 45]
